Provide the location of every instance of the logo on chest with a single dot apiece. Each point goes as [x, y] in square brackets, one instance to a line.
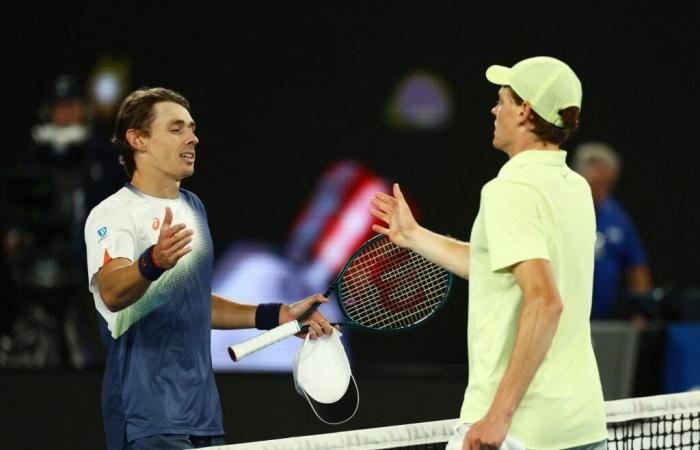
[155, 224]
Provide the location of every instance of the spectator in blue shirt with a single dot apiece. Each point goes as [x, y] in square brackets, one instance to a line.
[619, 252]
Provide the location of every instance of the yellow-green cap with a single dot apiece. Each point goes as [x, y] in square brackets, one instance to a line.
[547, 84]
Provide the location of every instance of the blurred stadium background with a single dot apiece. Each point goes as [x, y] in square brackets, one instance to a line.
[290, 98]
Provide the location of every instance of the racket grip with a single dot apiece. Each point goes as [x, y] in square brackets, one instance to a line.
[239, 351]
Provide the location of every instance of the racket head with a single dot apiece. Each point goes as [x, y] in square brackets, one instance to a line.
[386, 288]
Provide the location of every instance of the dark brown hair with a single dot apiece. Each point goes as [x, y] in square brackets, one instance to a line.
[136, 112]
[549, 132]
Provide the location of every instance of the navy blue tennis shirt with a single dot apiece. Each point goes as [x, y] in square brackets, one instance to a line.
[158, 375]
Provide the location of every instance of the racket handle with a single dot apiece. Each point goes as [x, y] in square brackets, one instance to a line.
[329, 291]
[239, 351]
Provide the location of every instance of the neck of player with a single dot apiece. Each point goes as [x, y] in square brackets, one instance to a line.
[156, 185]
[528, 141]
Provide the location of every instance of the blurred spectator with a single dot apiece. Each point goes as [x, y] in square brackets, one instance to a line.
[619, 252]
[46, 196]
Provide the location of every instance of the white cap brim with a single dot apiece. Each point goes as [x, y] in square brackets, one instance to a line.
[339, 411]
[322, 375]
[500, 75]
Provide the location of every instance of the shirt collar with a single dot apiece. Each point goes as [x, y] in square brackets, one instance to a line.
[142, 194]
[555, 158]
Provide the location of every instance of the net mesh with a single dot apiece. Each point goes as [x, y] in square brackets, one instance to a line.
[386, 287]
[659, 422]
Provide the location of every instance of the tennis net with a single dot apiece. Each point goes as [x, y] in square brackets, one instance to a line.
[658, 422]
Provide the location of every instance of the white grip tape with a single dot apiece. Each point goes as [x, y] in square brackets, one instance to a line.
[259, 342]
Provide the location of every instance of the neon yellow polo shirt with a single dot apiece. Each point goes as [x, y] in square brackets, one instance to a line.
[536, 208]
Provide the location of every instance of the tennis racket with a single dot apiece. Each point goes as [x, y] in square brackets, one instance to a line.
[382, 287]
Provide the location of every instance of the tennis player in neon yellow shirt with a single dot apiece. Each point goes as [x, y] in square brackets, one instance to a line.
[532, 372]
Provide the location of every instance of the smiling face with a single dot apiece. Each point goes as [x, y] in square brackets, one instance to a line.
[169, 147]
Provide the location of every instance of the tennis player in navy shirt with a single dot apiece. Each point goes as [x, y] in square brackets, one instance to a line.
[150, 260]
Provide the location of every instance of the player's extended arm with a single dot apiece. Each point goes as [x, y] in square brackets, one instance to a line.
[231, 315]
[404, 231]
[228, 314]
[120, 281]
[539, 318]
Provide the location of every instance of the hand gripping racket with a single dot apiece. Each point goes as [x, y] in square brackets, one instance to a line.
[382, 288]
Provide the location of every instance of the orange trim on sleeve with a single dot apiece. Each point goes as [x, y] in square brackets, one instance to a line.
[106, 258]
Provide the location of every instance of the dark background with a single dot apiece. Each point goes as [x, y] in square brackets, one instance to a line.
[281, 89]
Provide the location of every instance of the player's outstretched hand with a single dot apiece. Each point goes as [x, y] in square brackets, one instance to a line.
[173, 242]
[395, 213]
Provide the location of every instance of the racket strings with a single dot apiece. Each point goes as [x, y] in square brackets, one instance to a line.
[379, 317]
[386, 287]
[433, 289]
[402, 306]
